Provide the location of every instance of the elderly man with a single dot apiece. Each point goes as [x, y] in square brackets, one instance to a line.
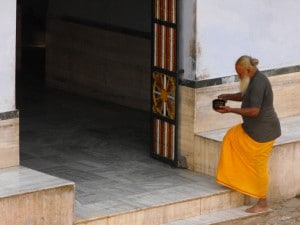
[246, 147]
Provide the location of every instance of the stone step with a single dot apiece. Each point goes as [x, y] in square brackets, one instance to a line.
[285, 158]
[219, 218]
[31, 197]
[162, 206]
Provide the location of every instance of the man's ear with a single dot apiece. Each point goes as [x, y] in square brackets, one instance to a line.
[249, 70]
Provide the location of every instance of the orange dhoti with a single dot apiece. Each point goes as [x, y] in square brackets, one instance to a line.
[243, 164]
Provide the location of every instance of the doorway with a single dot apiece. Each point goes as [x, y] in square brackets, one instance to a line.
[63, 128]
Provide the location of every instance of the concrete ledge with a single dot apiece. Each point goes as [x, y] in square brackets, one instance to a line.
[31, 197]
[9, 142]
[284, 161]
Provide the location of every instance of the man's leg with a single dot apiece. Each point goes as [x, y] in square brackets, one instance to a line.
[261, 206]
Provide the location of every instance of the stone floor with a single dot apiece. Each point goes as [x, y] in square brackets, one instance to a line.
[104, 149]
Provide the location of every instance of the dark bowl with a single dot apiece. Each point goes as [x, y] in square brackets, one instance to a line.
[216, 103]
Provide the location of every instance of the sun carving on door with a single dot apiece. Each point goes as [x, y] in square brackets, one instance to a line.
[164, 89]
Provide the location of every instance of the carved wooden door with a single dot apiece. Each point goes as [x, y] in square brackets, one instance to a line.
[164, 80]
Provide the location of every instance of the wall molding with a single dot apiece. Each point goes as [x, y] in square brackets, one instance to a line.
[9, 115]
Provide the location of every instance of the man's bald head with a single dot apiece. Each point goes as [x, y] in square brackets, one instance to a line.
[246, 60]
[246, 66]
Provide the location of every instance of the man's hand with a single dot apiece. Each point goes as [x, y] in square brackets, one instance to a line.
[224, 109]
[223, 97]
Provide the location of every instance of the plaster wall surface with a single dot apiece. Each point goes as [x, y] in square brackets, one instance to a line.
[187, 38]
[226, 30]
[7, 54]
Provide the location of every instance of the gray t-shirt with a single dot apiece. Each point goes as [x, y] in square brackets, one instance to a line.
[266, 126]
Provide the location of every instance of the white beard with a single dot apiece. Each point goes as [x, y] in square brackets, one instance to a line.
[244, 83]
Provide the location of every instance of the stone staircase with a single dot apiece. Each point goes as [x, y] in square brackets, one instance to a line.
[202, 210]
[29, 197]
[204, 202]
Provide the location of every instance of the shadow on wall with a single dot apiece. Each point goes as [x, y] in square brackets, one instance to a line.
[110, 66]
[89, 56]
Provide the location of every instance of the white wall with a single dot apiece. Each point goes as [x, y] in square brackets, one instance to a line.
[187, 37]
[7, 54]
[266, 29]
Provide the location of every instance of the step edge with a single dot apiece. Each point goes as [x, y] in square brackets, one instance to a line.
[242, 208]
[103, 217]
[72, 186]
[60, 183]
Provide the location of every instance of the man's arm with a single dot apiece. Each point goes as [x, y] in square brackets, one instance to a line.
[247, 112]
[233, 97]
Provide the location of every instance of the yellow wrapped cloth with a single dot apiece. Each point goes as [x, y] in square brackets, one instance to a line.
[243, 164]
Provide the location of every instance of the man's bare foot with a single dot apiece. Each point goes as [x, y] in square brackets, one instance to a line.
[257, 209]
[261, 206]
